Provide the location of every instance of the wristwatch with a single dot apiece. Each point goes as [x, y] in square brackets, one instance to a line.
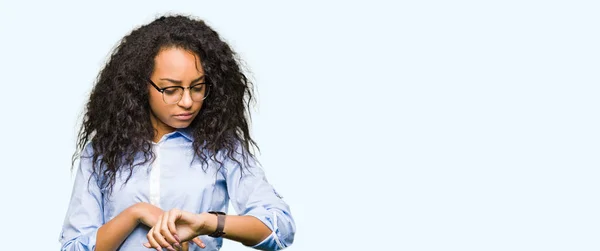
[220, 224]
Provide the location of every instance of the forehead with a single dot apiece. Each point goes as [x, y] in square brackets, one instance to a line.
[177, 62]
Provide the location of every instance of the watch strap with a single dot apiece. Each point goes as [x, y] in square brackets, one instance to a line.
[220, 224]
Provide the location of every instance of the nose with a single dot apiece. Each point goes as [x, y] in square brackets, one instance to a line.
[186, 100]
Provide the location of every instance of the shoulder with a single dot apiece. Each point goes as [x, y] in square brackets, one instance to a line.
[88, 150]
[240, 159]
[87, 157]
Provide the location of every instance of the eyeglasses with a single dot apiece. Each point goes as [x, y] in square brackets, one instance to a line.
[173, 94]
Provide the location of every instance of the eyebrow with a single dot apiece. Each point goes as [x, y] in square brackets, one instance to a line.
[179, 82]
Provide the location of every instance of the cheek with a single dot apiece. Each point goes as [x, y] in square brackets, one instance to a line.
[157, 105]
[198, 105]
[154, 99]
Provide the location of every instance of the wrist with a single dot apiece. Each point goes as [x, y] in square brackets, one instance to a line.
[145, 213]
[136, 211]
[209, 223]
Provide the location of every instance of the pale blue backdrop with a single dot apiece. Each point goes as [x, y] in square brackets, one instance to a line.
[398, 125]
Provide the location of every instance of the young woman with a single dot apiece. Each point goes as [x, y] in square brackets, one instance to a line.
[165, 146]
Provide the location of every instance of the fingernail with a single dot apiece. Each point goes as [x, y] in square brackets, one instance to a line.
[177, 245]
[171, 248]
[177, 238]
[202, 245]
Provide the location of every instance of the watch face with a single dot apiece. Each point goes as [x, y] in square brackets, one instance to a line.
[217, 234]
[216, 212]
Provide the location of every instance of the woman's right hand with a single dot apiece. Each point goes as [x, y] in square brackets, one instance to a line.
[147, 213]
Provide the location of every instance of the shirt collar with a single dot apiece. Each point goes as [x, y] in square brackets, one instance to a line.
[186, 132]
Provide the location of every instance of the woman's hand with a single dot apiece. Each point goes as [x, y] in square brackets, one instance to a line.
[176, 226]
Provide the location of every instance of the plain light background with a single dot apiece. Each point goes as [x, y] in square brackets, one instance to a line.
[400, 125]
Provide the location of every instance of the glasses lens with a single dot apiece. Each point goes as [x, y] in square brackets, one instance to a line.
[199, 92]
[172, 95]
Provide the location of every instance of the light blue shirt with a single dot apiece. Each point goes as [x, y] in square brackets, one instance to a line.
[173, 180]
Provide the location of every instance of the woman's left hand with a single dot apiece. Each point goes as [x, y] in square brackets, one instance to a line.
[177, 226]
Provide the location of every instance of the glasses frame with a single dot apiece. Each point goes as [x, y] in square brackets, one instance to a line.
[162, 91]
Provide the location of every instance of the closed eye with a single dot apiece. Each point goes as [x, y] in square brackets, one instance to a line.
[197, 88]
[171, 90]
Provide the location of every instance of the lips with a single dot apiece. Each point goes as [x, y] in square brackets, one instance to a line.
[184, 116]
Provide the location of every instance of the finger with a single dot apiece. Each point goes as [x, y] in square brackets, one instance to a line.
[151, 241]
[164, 230]
[199, 242]
[173, 216]
[159, 237]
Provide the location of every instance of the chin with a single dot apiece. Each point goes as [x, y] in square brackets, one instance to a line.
[180, 124]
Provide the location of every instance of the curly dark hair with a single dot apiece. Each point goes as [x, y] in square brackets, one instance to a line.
[117, 115]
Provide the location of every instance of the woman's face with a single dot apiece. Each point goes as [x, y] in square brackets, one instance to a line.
[175, 67]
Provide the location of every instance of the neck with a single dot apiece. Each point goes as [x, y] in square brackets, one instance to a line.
[160, 129]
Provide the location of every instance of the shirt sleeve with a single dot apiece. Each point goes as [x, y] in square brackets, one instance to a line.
[251, 194]
[84, 214]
